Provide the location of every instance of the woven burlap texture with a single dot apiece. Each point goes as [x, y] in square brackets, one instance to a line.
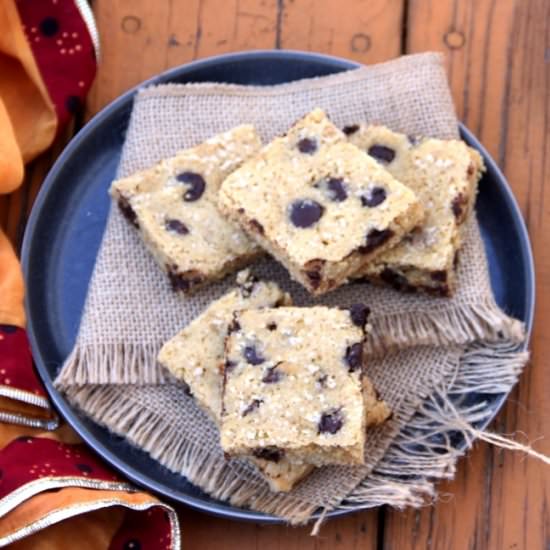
[130, 310]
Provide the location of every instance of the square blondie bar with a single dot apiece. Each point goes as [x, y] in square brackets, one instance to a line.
[173, 204]
[293, 385]
[444, 175]
[318, 204]
[196, 355]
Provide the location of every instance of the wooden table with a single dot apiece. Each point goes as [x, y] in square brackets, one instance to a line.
[499, 69]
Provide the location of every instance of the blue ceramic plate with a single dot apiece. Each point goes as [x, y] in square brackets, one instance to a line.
[68, 219]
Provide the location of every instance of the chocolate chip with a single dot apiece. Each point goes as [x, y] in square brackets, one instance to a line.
[257, 226]
[252, 355]
[382, 153]
[458, 206]
[439, 275]
[229, 365]
[313, 270]
[272, 454]
[307, 146]
[272, 375]
[333, 188]
[184, 281]
[176, 226]
[471, 169]
[396, 280]
[234, 326]
[253, 406]
[351, 129]
[196, 185]
[305, 212]
[376, 196]
[359, 314]
[375, 238]
[331, 421]
[127, 211]
[271, 326]
[354, 356]
[322, 380]
[443, 291]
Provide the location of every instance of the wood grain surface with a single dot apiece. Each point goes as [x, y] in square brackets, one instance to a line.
[499, 68]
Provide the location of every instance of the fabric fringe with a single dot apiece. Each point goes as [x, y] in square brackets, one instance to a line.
[426, 450]
[461, 324]
[111, 364]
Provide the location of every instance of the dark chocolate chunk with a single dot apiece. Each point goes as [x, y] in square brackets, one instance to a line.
[127, 211]
[272, 375]
[196, 185]
[470, 170]
[176, 226]
[305, 212]
[336, 189]
[375, 238]
[331, 421]
[185, 281]
[307, 146]
[271, 326]
[439, 275]
[458, 206]
[234, 326]
[443, 291]
[253, 406]
[256, 226]
[229, 365]
[354, 356]
[396, 280]
[252, 355]
[322, 380]
[271, 453]
[381, 153]
[350, 129]
[359, 314]
[376, 196]
[313, 270]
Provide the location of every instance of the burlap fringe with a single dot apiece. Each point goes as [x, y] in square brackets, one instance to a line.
[425, 450]
[461, 324]
[422, 453]
[111, 364]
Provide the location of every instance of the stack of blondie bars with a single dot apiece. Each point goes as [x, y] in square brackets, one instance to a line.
[287, 386]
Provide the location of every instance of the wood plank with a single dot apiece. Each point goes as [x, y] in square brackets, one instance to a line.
[167, 34]
[368, 32]
[500, 74]
[354, 532]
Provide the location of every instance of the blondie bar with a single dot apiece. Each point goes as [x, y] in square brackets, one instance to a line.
[195, 355]
[293, 385]
[318, 204]
[173, 204]
[444, 176]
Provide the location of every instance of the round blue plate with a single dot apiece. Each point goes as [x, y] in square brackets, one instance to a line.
[65, 228]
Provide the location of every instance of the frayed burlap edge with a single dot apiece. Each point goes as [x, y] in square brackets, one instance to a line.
[420, 454]
[463, 324]
[423, 452]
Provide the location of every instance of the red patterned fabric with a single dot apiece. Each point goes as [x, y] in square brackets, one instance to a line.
[30, 458]
[136, 534]
[16, 369]
[63, 50]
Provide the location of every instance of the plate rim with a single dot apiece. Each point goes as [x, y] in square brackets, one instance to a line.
[220, 508]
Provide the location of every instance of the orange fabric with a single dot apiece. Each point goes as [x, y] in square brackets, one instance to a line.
[22, 89]
[28, 125]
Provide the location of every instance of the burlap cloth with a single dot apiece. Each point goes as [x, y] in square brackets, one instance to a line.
[441, 350]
